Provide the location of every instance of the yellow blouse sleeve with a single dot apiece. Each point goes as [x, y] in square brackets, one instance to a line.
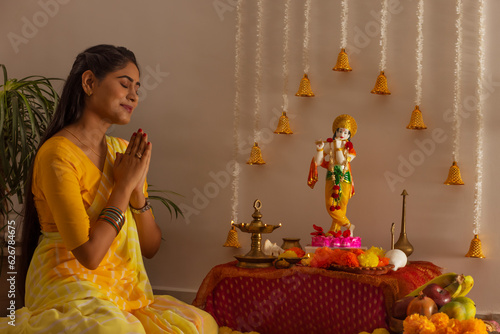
[58, 177]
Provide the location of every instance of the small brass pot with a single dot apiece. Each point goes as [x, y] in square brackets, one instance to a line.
[291, 242]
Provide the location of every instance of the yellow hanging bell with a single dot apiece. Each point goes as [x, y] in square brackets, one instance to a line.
[454, 177]
[475, 249]
[381, 85]
[342, 62]
[283, 125]
[232, 238]
[416, 121]
[305, 87]
[256, 156]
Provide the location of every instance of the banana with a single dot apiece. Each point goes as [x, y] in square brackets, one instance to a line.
[466, 286]
[443, 280]
[455, 287]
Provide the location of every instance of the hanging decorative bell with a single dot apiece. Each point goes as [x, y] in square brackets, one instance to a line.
[283, 125]
[232, 238]
[256, 156]
[305, 87]
[475, 248]
[416, 121]
[381, 85]
[454, 178]
[342, 62]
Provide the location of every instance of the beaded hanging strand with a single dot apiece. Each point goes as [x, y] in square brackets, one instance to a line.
[478, 187]
[236, 114]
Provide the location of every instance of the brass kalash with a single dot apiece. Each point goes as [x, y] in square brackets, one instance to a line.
[256, 257]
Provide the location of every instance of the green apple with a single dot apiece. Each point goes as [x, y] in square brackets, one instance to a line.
[455, 310]
[470, 306]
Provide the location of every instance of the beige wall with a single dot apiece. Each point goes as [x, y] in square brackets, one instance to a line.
[186, 52]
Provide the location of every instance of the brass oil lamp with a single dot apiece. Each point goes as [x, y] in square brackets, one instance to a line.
[256, 257]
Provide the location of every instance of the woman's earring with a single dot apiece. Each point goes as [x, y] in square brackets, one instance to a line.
[89, 93]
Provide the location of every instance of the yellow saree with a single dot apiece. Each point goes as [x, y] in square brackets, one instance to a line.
[62, 296]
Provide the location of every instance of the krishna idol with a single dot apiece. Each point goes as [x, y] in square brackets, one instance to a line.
[339, 186]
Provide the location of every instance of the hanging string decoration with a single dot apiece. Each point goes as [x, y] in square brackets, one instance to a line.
[283, 122]
[475, 246]
[416, 120]
[256, 153]
[342, 59]
[232, 237]
[381, 83]
[454, 176]
[305, 84]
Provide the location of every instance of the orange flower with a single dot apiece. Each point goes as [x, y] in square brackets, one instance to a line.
[454, 327]
[418, 324]
[323, 257]
[440, 320]
[383, 261]
[299, 252]
[357, 251]
[473, 326]
[349, 259]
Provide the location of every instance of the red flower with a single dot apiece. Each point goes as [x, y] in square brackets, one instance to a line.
[337, 207]
[348, 145]
[332, 208]
[336, 187]
[335, 195]
[338, 234]
[347, 233]
[318, 228]
[329, 140]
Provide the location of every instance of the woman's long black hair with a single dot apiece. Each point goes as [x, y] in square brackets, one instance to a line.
[101, 60]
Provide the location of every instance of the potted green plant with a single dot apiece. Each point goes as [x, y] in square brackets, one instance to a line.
[26, 107]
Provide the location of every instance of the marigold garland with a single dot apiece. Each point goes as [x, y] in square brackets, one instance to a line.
[324, 257]
[440, 323]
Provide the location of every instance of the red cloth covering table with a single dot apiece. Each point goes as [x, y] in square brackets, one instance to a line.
[304, 300]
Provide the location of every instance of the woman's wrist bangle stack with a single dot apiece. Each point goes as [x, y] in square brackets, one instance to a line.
[113, 216]
[145, 208]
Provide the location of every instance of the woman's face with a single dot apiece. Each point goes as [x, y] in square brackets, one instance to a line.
[342, 133]
[114, 98]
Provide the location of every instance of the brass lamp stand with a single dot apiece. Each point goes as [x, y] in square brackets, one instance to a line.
[256, 257]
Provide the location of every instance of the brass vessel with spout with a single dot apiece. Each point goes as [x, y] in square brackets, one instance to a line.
[256, 257]
[403, 243]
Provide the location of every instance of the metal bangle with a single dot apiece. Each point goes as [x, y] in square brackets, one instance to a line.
[145, 208]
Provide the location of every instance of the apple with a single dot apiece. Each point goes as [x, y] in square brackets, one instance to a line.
[400, 307]
[455, 310]
[469, 305]
[439, 295]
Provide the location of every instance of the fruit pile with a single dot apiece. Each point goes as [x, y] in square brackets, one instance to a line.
[443, 298]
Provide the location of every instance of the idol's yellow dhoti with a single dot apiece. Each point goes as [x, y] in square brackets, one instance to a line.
[62, 296]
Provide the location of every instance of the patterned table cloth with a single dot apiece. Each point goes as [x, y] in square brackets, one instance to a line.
[304, 300]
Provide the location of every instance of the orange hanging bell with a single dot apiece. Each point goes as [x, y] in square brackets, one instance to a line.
[342, 62]
[305, 87]
[381, 85]
[454, 177]
[232, 238]
[416, 121]
[283, 125]
[256, 156]
[475, 249]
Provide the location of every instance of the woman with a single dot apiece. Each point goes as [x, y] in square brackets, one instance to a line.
[87, 195]
[339, 186]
